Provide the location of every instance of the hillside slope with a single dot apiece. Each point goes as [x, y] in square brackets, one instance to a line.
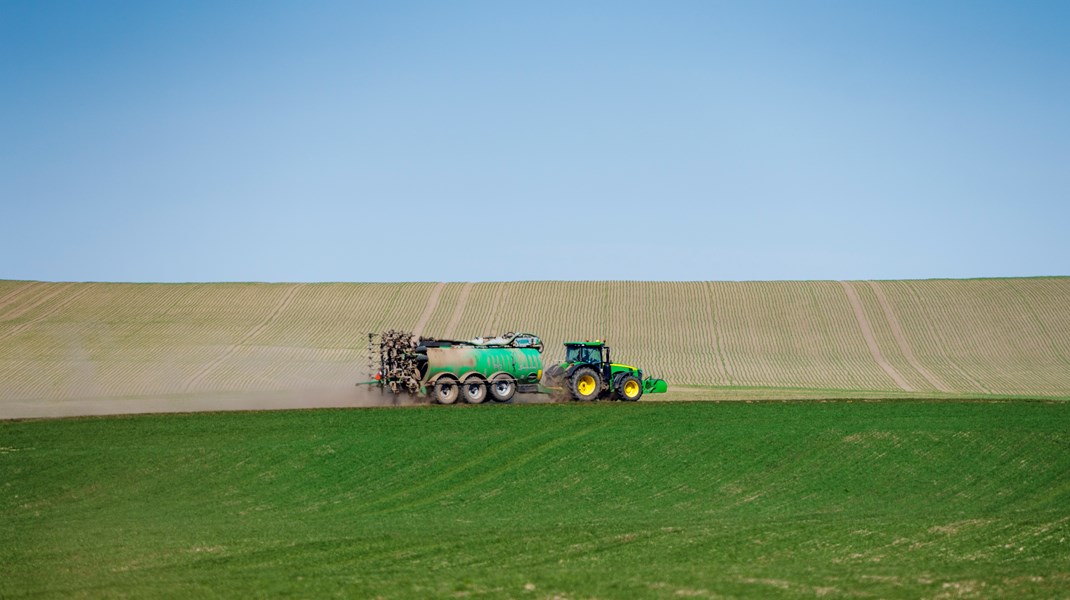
[62, 341]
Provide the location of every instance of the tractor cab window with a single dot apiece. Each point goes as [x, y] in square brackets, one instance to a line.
[583, 354]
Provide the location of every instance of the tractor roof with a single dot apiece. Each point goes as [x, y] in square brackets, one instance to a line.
[588, 343]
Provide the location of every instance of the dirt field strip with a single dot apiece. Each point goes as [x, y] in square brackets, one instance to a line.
[252, 333]
[429, 309]
[1005, 337]
[871, 341]
[458, 310]
[901, 341]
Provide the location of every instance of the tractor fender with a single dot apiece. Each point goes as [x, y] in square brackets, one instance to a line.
[473, 376]
[572, 369]
[496, 373]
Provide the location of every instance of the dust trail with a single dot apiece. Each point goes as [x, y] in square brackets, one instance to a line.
[531, 398]
[362, 396]
[343, 396]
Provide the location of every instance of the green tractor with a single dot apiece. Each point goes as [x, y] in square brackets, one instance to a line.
[588, 374]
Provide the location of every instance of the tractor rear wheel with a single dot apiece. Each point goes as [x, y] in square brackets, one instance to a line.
[474, 391]
[554, 376]
[446, 391]
[629, 388]
[502, 388]
[585, 384]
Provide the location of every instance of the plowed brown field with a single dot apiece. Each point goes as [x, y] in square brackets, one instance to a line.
[179, 345]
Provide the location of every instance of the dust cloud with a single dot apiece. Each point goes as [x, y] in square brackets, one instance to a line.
[360, 396]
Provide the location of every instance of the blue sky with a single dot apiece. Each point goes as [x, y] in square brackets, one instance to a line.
[467, 141]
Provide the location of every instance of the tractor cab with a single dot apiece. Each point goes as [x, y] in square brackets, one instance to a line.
[590, 353]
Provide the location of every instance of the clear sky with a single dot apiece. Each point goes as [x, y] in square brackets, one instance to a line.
[472, 141]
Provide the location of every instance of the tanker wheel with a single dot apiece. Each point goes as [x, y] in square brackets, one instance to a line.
[446, 390]
[629, 388]
[585, 384]
[502, 388]
[474, 391]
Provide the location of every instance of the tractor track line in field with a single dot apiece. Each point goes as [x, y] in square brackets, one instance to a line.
[14, 295]
[18, 312]
[455, 319]
[714, 320]
[48, 313]
[1042, 331]
[871, 340]
[901, 340]
[429, 309]
[494, 304]
[942, 342]
[500, 468]
[483, 467]
[230, 350]
[479, 462]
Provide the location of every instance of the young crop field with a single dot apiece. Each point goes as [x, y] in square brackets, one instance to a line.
[656, 500]
[65, 345]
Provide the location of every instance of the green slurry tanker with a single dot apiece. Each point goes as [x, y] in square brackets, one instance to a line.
[499, 367]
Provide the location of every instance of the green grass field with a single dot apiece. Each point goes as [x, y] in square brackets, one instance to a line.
[837, 499]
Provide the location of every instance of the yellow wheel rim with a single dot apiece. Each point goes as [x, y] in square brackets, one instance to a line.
[585, 386]
[631, 389]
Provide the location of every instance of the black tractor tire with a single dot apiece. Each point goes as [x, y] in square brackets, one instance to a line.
[474, 391]
[554, 376]
[502, 388]
[629, 388]
[585, 384]
[446, 390]
[614, 385]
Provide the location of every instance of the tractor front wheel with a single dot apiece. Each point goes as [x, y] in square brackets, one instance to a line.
[629, 388]
[585, 384]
